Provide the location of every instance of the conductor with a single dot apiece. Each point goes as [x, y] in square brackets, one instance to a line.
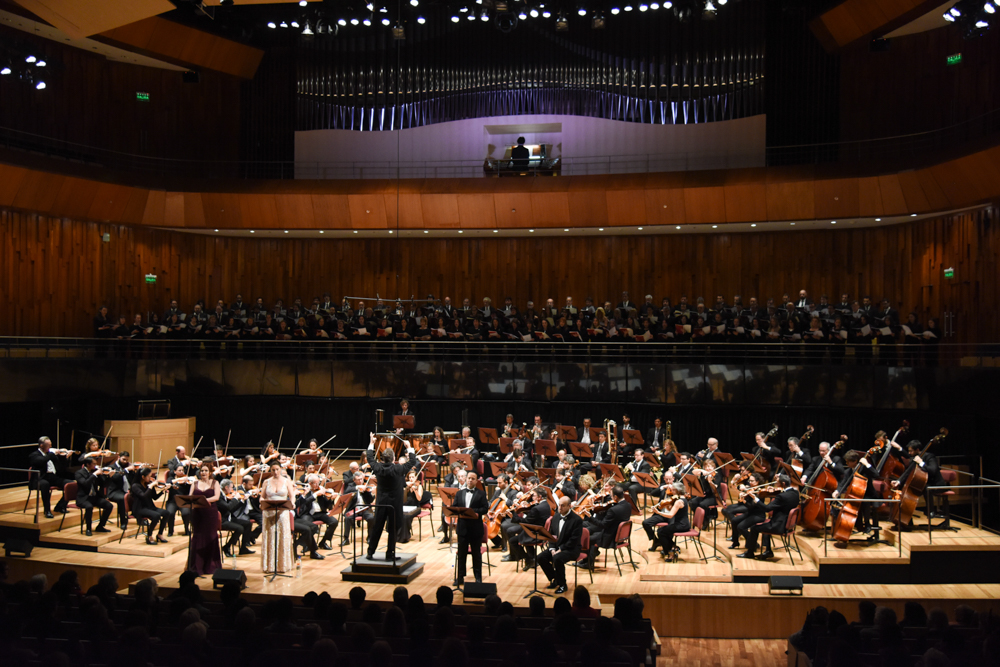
[519, 154]
[389, 502]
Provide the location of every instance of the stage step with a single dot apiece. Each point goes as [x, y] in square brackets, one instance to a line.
[26, 521]
[72, 537]
[138, 547]
[379, 571]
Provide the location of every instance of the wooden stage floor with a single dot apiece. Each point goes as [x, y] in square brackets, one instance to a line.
[691, 598]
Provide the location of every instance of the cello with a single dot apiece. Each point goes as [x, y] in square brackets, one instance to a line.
[848, 517]
[820, 486]
[911, 492]
[494, 518]
[764, 467]
[888, 465]
[796, 464]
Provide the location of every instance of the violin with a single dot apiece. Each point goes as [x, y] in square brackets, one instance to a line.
[62, 452]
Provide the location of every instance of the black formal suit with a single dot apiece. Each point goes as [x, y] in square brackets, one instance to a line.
[360, 502]
[803, 455]
[391, 480]
[47, 478]
[634, 488]
[536, 515]
[779, 508]
[837, 468]
[930, 466]
[88, 496]
[470, 532]
[143, 501]
[240, 527]
[118, 485]
[318, 512]
[655, 436]
[568, 532]
[607, 527]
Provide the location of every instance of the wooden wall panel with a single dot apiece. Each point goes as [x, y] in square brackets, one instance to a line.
[55, 273]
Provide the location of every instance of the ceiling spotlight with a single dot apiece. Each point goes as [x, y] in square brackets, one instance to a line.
[366, 21]
[383, 10]
[272, 25]
[303, 3]
[454, 18]
[370, 7]
[421, 20]
[643, 7]
[913, 215]
[654, 5]
[533, 13]
[562, 25]
[295, 24]
[40, 63]
[5, 71]
[982, 24]
[286, 231]
[615, 10]
[628, 7]
[722, 2]
[878, 219]
[949, 18]
[471, 16]
[40, 85]
[30, 59]
[484, 16]
[668, 4]
[307, 30]
[582, 11]
[547, 14]
[954, 12]
[322, 232]
[463, 9]
[341, 22]
[355, 21]
[753, 224]
[640, 229]
[990, 9]
[386, 21]
[414, 3]
[398, 32]
[833, 222]
[252, 231]
[522, 16]
[715, 226]
[283, 24]
[678, 226]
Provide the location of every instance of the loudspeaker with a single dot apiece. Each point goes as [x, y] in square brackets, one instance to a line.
[784, 585]
[474, 590]
[191, 77]
[221, 577]
[20, 548]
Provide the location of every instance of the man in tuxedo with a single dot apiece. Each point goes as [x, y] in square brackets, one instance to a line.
[391, 478]
[803, 302]
[684, 466]
[583, 433]
[607, 524]
[171, 311]
[470, 531]
[779, 508]
[795, 452]
[46, 476]
[602, 453]
[360, 503]
[639, 464]
[121, 481]
[238, 524]
[318, 505]
[824, 457]
[567, 527]
[88, 495]
[535, 516]
[655, 435]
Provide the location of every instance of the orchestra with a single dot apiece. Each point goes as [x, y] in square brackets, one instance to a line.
[754, 496]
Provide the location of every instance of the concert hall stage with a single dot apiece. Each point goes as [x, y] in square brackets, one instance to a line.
[723, 599]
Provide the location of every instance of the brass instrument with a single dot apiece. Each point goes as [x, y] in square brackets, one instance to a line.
[670, 435]
[611, 429]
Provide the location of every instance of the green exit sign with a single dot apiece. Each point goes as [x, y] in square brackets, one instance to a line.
[144, 97]
[954, 59]
[949, 273]
[150, 278]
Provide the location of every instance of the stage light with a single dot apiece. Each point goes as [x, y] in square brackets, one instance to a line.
[954, 12]
[982, 24]
[582, 11]
[628, 8]
[668, 4]
[355, 21]
[949, 18]
[990, 9]
[454, 19]
[484, 16]
[295, 24]
[307, 30]
[386, 21]
[421, 20]
[366, 21]
[471, 16]
[640, 229]
[5, 71]
[522, 16]
[753, 224]
[341, 22]
[463, 9]
[414, 3]
[303, 3]
[643, 7]
[546, 14]
[533, 13]
[30, 59]
[715, 226]
[722, 2]
[833, 222]
[283, 24]
[272, 25]
[40, 85]
[878, 219]
[615, 10]
[370, 6]
[654, 5]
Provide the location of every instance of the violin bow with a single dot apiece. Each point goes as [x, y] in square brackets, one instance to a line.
[277, 447]
[103, 444]
[225, 453]
[325, 443]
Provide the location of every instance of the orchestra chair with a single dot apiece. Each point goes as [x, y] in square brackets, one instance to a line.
[787, 535]
[694, 533]
[69, 492]
[35, 490]
[426, 510]
[584, 550]
[623, 540]
[949, 477]
[480, 468]
[140, 521]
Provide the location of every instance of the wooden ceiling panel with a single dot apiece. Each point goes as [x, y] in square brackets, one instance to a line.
[173, 210]
[411, 214]
[665, 206]
[154, 214]
[38, 191]
[869, 197]
[588, 208]
[913, 192]
[854, 20]
[75, 198]
[83, 18]
[194, 210]
[11, 178]
[790, 200]
[893, 201]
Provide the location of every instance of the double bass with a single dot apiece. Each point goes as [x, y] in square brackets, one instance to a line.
[911, 492]
[888, 466]
[796, 464]
[848, 516]
[820, 486]
[764, 467]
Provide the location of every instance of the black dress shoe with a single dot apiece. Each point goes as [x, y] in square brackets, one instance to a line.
[562, 589]
[90, 533]
[325, 545]
[345, 542]
[506, 559]
[315, 555]
[746, 554]
[227, 552]
[503, 549]
[766, 555]
[50, 515]
[552, 584]
[734, 545]
[101, 529]
[529, 565]
[161, 538]
[444, 540]
[246, 552]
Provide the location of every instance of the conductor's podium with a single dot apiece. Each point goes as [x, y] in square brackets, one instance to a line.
[151, 440]
[380, 571]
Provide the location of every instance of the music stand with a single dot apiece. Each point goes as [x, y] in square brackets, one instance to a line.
[546, 448]
[497, 467]
[307, 457]
[581, 451]
[525, 475]
[793, 476]
[633, 438]
[566, 433]
[538, 536]
[646, 481]
[506, 445]
[405, 422]
[458, 513]
[545, 475]
[466, 459]
[191, 502]
[612, 470]
[447, 496]
[488, 436]
[652, 459]
[692, 485]
[595, 431]
[456, 443]
[338, 509]
[757, 465]
[725, 461]
[283, 506]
